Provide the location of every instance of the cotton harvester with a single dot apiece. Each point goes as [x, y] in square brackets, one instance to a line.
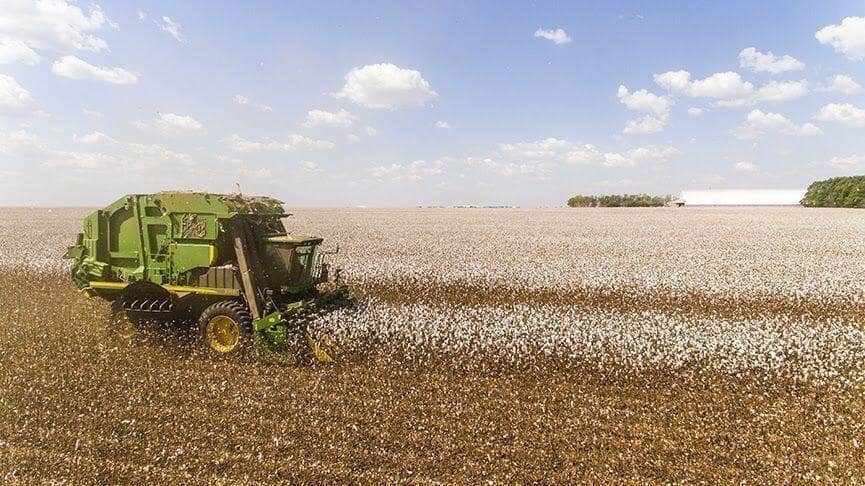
[225, 262]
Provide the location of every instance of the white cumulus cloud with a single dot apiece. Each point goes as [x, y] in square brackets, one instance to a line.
[19, 141]
[341, 118]
[158, 156]
[538, 156]
[12, 50]
[413, 172]
[720, 85]
[535, 169]
[385, 86]
[755, 60]
[642, 100]
[13, 97]
[546, 148]
[309, 167]
[558, 36]
[844, 114]
[634, 156]
[442, 124]
[132, 159]
[538, 159]
[645, 125]
[725, 85]
[293, 142]
[773, 92]
[171, 121]
[675, 81]
[93, 138]
[782, 91]
[808, 130]
[848, 162]
[75, 68]
[746, 167]
[842, 83]
[646, 102]
[658, 153]
[696, 111]
[56, 25]
[244, 100]
[173, 28]
[173, 124]
[848, 38]
[759, 123]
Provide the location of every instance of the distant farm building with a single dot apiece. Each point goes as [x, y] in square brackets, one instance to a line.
[741, 197]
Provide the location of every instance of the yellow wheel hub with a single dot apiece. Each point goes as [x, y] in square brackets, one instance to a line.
[223, 334]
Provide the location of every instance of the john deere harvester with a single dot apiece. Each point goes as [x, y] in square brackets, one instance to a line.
[223, 261]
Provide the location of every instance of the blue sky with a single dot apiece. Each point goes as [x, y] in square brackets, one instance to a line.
[425, 103]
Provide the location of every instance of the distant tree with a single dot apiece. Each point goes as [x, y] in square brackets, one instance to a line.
[581, 201]
[619, 200]
[837, 192]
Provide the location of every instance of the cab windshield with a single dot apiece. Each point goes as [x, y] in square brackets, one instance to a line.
[289, 264]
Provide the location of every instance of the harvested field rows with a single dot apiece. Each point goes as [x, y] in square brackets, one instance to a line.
[512, 345]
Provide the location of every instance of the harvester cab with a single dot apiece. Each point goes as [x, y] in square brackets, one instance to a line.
[292, 263]
[226, 261]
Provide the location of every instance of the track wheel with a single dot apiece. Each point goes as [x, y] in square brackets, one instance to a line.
[226, 328]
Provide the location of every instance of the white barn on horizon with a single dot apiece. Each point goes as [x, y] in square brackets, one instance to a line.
[742, 197]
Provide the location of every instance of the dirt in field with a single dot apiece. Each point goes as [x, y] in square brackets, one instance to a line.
[76, 406]
[620, 299]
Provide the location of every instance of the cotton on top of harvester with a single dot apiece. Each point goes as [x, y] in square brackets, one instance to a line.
[223, 261]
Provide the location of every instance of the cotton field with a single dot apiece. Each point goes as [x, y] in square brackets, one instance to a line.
[512, 345]
[794, 349]
[776, 290]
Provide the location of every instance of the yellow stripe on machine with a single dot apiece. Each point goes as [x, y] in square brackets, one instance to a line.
[201, 290]
[170, 288]
[108, 285]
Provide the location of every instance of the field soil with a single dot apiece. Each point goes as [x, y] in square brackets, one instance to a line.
[463, 366]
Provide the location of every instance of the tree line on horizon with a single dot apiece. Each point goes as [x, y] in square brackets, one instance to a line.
[619, 201]
[837, 192]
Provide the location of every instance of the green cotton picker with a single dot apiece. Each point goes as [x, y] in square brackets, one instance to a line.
[223, 261]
